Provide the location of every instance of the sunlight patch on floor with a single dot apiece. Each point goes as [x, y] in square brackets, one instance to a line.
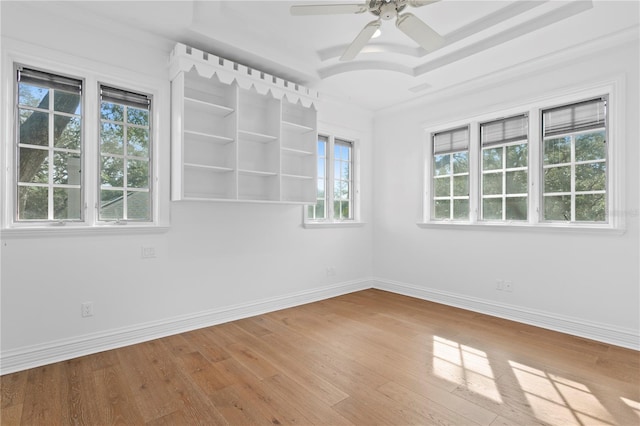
[634, 405]
[466, 366]
[560, 401]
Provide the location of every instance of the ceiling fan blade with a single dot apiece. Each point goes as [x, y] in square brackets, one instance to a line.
[420, 3]
[420, 32]
[356, 45]
[327, 9]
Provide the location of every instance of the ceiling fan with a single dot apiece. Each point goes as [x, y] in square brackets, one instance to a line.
[408, 23]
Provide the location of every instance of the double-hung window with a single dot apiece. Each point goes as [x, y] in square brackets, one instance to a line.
[342, 180]
[336, 184]
[76, 162]
[49, 147]
[451, 174]
[504, 168]
[575, 162]
[125, 148]
[543, 165]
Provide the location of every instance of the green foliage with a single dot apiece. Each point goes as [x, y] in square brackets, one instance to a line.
[517, 156]
[590, 207]
[557, 179]
[517, 182]
[492, 208]
[460, 162]
[492, 183]
[557, 151]
[492, 158]
[461, 209]
[557, 207]
[590, 174]
[516, 208]
[442, 209]
[591, 146]
[442, 186]
[442, 165]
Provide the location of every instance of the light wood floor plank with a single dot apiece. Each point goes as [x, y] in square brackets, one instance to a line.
[364, 358]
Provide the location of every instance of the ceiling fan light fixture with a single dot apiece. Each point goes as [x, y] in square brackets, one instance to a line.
[377, 34]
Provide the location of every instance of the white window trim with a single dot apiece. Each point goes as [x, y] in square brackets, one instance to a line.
[93, 74]
[614, 89]
[330, 221]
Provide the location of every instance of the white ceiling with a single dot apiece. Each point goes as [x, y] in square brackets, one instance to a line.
[481, 38]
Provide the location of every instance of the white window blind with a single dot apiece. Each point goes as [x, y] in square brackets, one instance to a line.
[576, 117]
[504, 130]
[45, 79]
[123, 97]
[451, 140]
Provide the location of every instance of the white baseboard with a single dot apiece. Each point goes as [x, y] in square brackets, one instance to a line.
[626, 338]
[62, 350]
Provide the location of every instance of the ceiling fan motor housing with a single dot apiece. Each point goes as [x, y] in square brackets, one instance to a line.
[386, 9]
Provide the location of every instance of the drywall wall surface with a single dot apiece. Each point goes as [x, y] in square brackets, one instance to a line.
[214, 255]
[584, 276]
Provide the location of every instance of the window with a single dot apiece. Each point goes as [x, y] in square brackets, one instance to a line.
[575, 162]
[319, 211]
[49, 147]
[125, 169]
[343, 180]
[83, 154]
[336, 192]
[549, 166]
[451, 174]
[504, 166]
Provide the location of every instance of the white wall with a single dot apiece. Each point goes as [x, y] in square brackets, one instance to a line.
[562, 277]
[214, 256]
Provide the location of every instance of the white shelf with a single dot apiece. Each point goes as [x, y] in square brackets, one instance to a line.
[209, 136]
[256, 173]
[297, 128]
[297, 176]
[207, 167]
[296, 151]
[216, 109]
[256, 137]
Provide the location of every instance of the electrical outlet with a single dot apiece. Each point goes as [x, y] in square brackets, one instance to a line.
[86, 309]
[148, 252]
[504, 285]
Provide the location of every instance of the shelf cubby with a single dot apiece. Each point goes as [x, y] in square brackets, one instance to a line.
[208, 183]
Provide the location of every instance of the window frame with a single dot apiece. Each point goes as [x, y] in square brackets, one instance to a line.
[504, 169]
[330, 219]
[573, 164]
[92, 73]
[451, 177]
[18, 70]
[612, 90]
[126, 156]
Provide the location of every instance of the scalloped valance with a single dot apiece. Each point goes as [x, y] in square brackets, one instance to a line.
[184, 58]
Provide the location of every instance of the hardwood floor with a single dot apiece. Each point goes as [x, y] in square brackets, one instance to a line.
[365, 358]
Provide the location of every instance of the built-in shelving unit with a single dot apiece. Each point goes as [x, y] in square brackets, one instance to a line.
[239, 134]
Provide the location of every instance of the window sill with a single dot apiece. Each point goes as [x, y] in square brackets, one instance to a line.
[79, 231]
[519, 226]
[344, 224]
